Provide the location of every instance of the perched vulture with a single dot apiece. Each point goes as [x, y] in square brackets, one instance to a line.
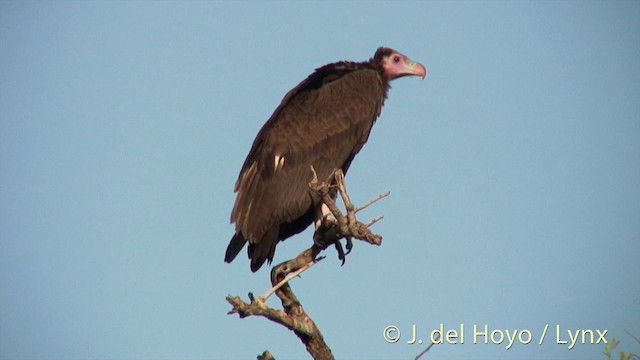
[323, 122]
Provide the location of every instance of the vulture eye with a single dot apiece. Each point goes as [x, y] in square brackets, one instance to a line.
[396, 58]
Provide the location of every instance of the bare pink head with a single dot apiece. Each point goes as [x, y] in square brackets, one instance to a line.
[394, 65]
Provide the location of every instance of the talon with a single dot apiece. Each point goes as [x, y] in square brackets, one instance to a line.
[349, 245]
[340, 250]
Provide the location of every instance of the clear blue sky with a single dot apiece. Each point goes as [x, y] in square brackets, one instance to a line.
[514, 172]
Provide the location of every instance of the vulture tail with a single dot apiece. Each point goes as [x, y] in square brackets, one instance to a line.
[264, 250]
[235, 245]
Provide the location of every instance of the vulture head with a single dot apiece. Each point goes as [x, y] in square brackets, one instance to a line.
[394, 65]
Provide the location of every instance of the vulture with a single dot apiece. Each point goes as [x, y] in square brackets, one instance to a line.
[322, 122]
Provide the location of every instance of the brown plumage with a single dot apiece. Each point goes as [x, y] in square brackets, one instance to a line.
[323, 122]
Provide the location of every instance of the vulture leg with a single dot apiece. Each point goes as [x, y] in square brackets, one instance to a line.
[348, 221]
[326, 221]
[323, 215]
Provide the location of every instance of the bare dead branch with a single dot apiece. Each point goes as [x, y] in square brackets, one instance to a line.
[372, 201]
[374, 220]
[259, 308]
[428, 348]
[292, 315]
[289, 276]
[633, 336]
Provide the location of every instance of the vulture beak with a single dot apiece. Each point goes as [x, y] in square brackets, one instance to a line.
[399, 67]
[416, 69]
[395, 65]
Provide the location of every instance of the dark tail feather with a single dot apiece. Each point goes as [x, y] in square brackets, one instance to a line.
[235, 245]
[258, 253]
[264, 250]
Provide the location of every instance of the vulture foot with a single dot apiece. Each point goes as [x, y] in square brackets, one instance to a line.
[332, 229]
